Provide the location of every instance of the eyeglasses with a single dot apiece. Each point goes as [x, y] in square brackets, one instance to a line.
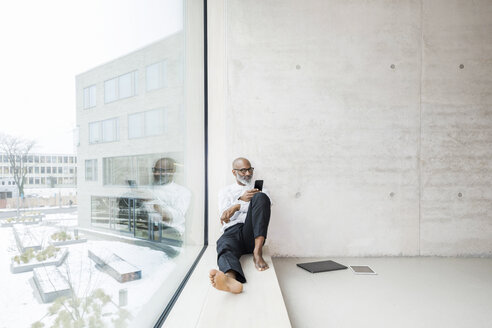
[243, 171]
[157, 169]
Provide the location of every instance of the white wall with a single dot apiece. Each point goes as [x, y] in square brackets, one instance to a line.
[357, 116]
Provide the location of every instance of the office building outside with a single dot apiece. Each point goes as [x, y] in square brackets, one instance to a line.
[43, 171]
[129, 114]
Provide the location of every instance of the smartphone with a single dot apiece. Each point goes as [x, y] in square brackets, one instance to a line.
[259, 185]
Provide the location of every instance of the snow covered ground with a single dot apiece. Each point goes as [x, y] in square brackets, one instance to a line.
[21, 304]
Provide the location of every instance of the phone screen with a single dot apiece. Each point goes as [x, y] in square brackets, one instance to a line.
[259, 184]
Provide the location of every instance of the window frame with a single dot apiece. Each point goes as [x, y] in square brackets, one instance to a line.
[161, 75]
[87, 94]
[176, 295]
[145, 128]
[117, 79]
[93, 170]
[99, 126]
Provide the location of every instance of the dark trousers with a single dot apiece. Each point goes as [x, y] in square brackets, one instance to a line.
[239, 239]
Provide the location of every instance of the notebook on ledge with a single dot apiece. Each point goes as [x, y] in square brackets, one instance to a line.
[321, 266]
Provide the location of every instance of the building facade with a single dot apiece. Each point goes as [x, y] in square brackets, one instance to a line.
[129, 114]
[44, 170]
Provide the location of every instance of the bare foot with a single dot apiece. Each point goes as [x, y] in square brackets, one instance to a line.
[260, 263]
[223, 282]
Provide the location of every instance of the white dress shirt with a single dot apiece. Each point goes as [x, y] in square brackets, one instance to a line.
[173, 198]
[229, 196]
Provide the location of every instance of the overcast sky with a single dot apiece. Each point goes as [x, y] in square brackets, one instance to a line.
[45, 44]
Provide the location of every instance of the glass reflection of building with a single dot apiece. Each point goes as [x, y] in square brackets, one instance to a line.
[129, 114]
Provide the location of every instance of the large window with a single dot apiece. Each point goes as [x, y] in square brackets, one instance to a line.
[120, 87]
[123, 221]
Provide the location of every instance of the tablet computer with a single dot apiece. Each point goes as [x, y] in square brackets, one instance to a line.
[321, 266]
[362, 269]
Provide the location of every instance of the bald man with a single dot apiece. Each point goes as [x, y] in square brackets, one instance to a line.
[244, 215]
[168, 201]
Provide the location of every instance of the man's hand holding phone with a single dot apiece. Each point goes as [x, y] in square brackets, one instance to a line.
[248, 194]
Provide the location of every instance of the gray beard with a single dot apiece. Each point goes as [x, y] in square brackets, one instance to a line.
[163, 179]
[243, 180]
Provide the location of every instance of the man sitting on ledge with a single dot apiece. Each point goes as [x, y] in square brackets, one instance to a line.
[244, 215]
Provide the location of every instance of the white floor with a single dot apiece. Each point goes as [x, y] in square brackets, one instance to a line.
[406, 292]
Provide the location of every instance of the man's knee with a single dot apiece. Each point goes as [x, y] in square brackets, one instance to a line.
[261, 198]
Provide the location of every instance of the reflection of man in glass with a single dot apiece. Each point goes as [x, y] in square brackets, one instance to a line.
[168, 201]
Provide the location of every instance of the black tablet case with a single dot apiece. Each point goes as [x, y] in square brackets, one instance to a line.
[321, 266]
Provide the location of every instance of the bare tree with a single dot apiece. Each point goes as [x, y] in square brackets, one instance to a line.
[16, 149]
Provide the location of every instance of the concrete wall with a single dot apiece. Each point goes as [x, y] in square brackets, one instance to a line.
[357, 116]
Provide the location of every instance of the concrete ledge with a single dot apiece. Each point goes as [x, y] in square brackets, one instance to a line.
[51, 283]
[114, 265]
[26, 238]
[259, 305]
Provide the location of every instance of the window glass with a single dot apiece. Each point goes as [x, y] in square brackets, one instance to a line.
[91, 170]
[149, 123]
[111, 152]
[152, 77]
[90, 97]
[94, 132]
[126, 85]
[110, 90]
[109, 130]
[155, 76]
[136, 125]
[154, 122]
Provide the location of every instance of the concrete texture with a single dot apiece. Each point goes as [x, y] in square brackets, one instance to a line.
[457, 128]
[360, 121]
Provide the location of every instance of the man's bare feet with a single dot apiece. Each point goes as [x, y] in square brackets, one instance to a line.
[260, 263]
[223, 282]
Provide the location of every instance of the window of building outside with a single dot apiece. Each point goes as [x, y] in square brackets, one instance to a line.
[91, 170]
[123, 86]
[90, 97]
[103, 131]
[155, 76]
[146, 124]
[118, 205]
